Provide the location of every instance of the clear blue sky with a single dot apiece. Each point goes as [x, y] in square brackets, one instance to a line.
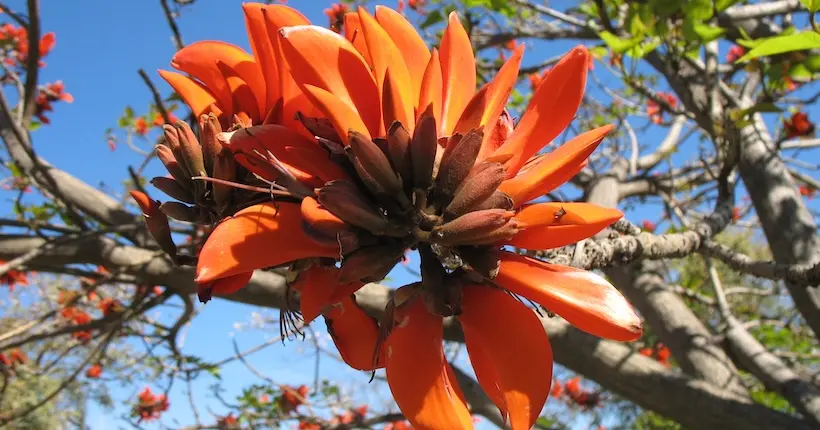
[100, 47]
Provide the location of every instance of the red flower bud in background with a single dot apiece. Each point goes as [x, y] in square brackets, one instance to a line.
[798, 125]
[735, 52]
[94, 371]
[648, 226]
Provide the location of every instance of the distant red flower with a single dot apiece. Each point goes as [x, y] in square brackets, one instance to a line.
[150, 406]
[656, 110]
[5, 361]
[798, 125]
[110, 306]
[557, 389]
[336, 14]
[573, 386]
[659, 352]
[228, 422]
[141, 126]
[537, 78]
[18, 356]
[13, 278]
[648, 226]
[308, 425]
[807, 191]
[48, 94]
[616, 60]
[292, 397]
[94, 371]
[646, 352]
[735, 52]
[264, 398]
[159, 120]
[398, 425]
[736, 215]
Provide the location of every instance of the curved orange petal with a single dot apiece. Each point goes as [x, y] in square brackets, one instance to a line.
[263, 52]
[355, 334]
[320, 218]
[394, 108]
[471, 115]
[298, 103]
[553, 225]
[583, 298]
[264, 235]
[385, 55]
[353, 33]
[499, 91]
[196, 96]
[551, 109]
[243, 96]
[319, 288]
[342, 115]
[506, 337]
[431, 89]
[319, 57]
[276, 18]
[554, 168]
[230, 284]
[417, 371]
[411, 46]
[200, 60]
[457, 71]
[285, 144]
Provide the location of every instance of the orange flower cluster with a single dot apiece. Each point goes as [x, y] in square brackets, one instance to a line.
[13, 278]
[575, 394]
[647, 225]
[228, 422]
[94, 371]
[110, 306]
[16, 357]
[15, 45]
[150, 406]
[292, 397]
[77, 317]
[798, 125]
[398, 425]
[735, 52]
[659, 352]
[336, 14]
[48, 94]
[416, 5]
[324, 147]
[807, 191]
[656, 110]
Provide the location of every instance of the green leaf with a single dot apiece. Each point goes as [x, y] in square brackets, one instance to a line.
[813, 63]
[616, 44]
[34, 125]
[699, 10]
[129, 112]
[432, 18]
[811, 5]
[643, 48]
[722, 5]
[708, 33]
[782, 44]
[799, 72]
[741, 114]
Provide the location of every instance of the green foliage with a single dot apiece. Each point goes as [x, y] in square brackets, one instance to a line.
[811, 5]
[781, 44]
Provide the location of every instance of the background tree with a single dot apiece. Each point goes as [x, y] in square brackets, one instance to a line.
[713, 157]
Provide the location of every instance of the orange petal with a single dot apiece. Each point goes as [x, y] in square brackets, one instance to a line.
[264, 235]
[457, 71]
[243, 96]
[554, 168]
[471, 115]
[276, 18]
[298, 103]
[342, 115]
[417, 371]
[507, 339]
[283, 143]
[353, 33]
[263, 51]
[394, 108]
[319, 57]
[551, 109]
[583, 298]
[553, 225]
[319, 288]
[385, 54]
[355, 334]
[431, 89]
[230, 284]
[196, 96]
[200, 60]
[497, 95]
[411, 46]
[320, 218]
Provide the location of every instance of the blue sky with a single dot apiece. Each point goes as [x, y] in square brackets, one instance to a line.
[100, 47]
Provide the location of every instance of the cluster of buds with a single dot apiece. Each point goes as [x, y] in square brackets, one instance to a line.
[150, 406]
[734, 53]
[351, 418]
[8, 363]
[655, 110]
[77, 317]
[572, 392]
[13, 278]
[110, 306]
[659, 352]
[798, 125]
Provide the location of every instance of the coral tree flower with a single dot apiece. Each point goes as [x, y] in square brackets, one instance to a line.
[406, 153]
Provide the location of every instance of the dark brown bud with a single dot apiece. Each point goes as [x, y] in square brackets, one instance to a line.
[374, 161]
[173, 189]
[398, 150]
[209, 129]
[344, 200]
[483, 261]
[479, 185]
[191, 150]
[178, 171]
[423, 152]
[179, 211]
[319, 127]
[225, 169]
[157, 222]
[507, 231]
[462, 230]
[457, 165]
[370, 264]
[498, 200]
